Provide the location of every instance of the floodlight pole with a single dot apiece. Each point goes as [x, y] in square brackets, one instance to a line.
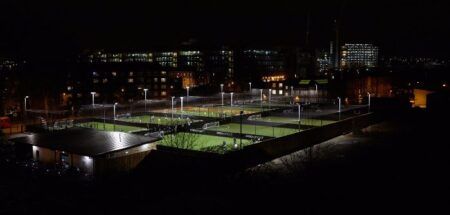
[231, 99]
[221, 88]
[173, 97]
[25, 103]
[250, 90]
[181, 105]
[222, 98]
[145, 100]
[93, 99]
[187, 94]
[317, 94]
[240, 131]
[339, 100]
[270, 97]
[114, 110]
[261, 91]
[25, 108]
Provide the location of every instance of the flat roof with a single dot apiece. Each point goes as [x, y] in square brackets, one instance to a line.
[84, 141]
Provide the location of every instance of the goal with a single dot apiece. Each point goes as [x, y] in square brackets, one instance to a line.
[211, 125]
[255, 117]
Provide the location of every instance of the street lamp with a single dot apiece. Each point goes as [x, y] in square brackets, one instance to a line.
[292, 90]
[240, 128]
[299, 116]
[261, 92]
[368, 96]
[145, 100]
[231, 99]
[114, 110]
[187, 94]
[25, 103]
[222, 98]
[317, 94]
[93, 99]
[270, 96]
[339, 99]
[221, 88]
[173, 97]
[182, 104]
[250, 89]
[114, 114]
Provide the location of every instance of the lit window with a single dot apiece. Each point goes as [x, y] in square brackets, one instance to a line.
[274, 85]
[280, 92]
[274, 92]
[163, 93]
[163, 80]
[130, 80]
[280, 85]
[114, 74]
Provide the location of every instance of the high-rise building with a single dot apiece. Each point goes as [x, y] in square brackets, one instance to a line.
[359, 56]
[8, 72]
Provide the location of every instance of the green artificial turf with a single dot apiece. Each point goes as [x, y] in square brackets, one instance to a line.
[154, 120]
[205, 142]
[255, 130]
[110, 127]
[311, 122]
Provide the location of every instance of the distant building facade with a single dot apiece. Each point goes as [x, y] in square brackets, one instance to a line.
[124, 75]
[358, 56]
[8, 89]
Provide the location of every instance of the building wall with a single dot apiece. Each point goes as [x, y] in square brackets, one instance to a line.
[52, 157]
[420, 98]
[85, 163]
[43, 155]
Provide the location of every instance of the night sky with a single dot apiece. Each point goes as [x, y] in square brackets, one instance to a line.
[40, 29]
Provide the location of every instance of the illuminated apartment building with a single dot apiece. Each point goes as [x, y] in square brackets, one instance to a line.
[359, 56]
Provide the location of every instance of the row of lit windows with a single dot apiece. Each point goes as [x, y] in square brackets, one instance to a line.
[129, 80]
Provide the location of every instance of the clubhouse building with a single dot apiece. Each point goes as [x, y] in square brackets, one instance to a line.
[91, 151]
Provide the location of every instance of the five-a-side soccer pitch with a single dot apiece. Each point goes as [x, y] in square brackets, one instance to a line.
[110, 127]
[157, 120]
[213, 111]
[287, 120]
[202, 142]
[257, 130]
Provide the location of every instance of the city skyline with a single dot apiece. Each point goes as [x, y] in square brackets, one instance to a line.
[40, 30]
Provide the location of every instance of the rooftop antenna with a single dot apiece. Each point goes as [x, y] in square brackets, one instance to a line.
[338, 22]
[308, 25]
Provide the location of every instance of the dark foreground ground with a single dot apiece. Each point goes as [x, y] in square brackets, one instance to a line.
[400, 166]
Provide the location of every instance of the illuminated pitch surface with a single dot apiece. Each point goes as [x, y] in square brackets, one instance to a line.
[110, 127]
[286, 120]
[213, 112]
[157, 120]
[255, 130]
[208, 142]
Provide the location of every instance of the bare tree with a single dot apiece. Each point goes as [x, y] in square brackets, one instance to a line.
[182, 140]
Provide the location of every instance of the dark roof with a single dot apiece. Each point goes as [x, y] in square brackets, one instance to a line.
[86, 142]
